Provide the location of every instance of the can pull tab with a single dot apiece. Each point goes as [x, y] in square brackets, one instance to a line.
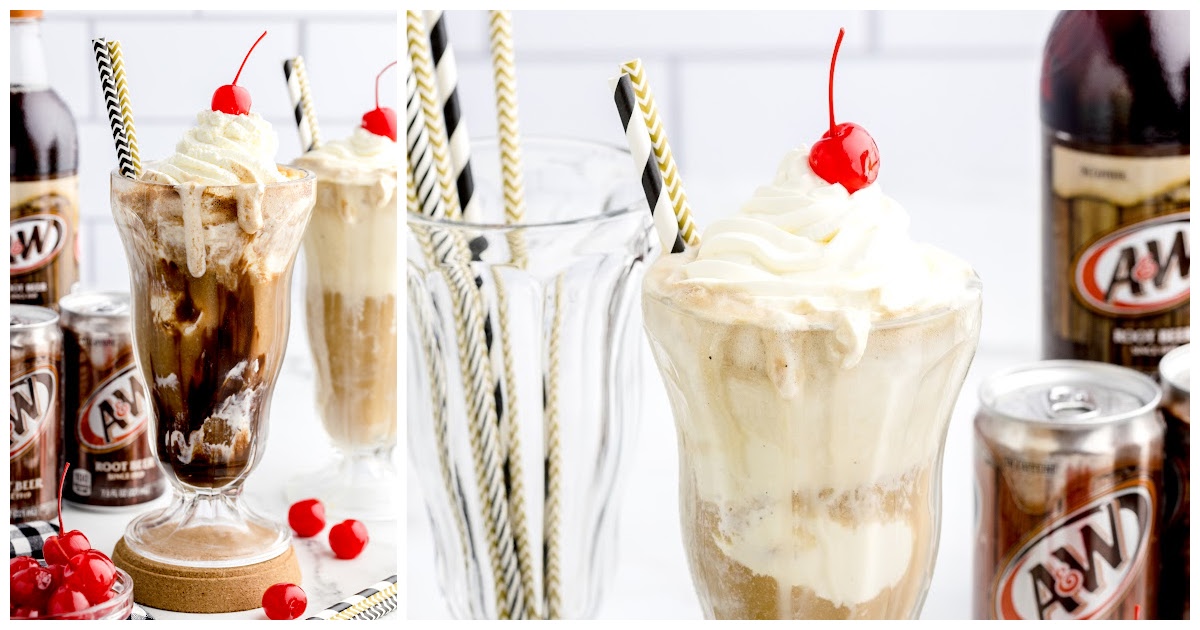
[1069, 402]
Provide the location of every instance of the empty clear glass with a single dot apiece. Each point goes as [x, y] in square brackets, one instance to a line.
[524, 367]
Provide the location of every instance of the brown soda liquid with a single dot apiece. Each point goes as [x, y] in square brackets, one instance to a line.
[1116, 264]
[43, 198]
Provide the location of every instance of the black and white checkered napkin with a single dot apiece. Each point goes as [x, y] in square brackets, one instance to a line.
[370, 603]
[27, 539]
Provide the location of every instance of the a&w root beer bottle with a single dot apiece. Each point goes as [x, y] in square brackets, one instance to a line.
[1115, 266]
[43, 218]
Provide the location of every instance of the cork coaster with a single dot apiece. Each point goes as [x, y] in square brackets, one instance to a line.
[204, 590]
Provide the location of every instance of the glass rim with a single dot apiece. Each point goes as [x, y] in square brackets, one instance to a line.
[116, 174]
[624, 209]
[972, 284]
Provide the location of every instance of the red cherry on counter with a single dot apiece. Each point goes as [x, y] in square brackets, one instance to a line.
[91, 573]
[846, 154]
[232, 98]
[284, 601]
[347, 539]
[67, 600]
[60, 549]
[307, 517]
[381, 121]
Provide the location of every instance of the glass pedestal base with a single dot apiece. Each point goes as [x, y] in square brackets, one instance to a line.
[210, 530]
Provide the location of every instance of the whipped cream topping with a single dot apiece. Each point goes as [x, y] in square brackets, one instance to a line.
[355, 158]
[221, 150]
[824, 257]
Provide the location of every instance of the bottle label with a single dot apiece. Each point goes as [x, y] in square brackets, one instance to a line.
[43, 228]
[1120, 257]
[1080, 565]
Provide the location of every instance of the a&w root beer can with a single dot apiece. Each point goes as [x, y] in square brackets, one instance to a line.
[34, 412]
[1069, 466]
[107, 407]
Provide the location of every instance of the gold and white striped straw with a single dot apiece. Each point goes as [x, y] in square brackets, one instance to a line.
[662, 151]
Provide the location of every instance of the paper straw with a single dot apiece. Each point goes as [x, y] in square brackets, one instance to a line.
[300, 93]
[446, 71]
[551, 516]
[122, 87]
[648, 173]
[424, 317]
[112, 104]
[370, 603]
[504, 73]
[422, 63]
[662, 151]
[510, 434]
[420, 153]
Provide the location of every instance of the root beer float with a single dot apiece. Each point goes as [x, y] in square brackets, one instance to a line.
[812, 354]
[211, 234]
[351, 313]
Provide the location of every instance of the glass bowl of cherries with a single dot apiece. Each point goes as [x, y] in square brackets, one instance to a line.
[38, 590]
[74, 581]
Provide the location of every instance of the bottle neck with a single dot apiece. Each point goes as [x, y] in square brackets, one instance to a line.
[27, 59]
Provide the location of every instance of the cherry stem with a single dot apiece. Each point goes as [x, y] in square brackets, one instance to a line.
[377, 77]
[62, 482]
[832, 64]
[239, 72]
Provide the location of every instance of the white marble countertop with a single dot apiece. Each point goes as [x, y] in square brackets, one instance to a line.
[296, 444]
[652, 579]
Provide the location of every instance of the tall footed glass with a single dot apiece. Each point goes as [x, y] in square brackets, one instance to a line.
[210, 274]
[523, 395]
[350, 307]
[809, 485]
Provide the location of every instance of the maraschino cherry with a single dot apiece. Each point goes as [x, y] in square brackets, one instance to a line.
[233, 98]
[846, 154]
[381, 121]
[307, 517]
[60, 549]
[284, 601]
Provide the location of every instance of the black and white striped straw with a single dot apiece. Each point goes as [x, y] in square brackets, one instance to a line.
[638, 138]
[303, 110]
[446, 70]
[112, 103]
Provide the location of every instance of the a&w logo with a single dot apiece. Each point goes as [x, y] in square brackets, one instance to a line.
[1138, 270]
[1079, 566]
[115, 413]
[34, 241]
[31, 398]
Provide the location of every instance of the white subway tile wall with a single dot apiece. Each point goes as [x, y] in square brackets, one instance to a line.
[176, 59]
[950, 97]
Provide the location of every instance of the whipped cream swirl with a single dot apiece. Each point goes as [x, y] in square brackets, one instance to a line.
[221, 150]
[363, 151]
[818, 253]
